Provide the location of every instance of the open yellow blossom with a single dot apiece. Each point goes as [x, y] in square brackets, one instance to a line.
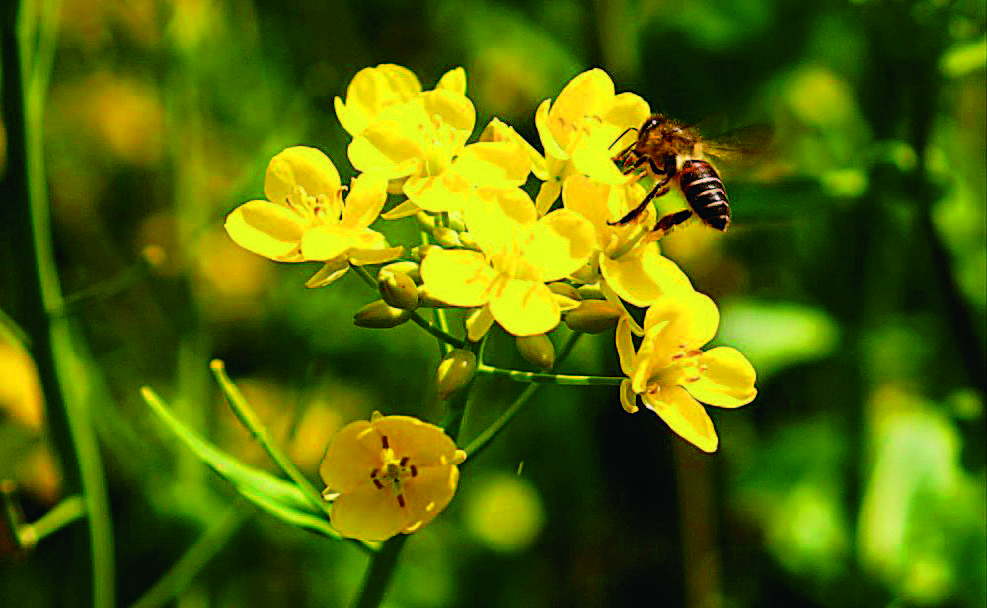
[520, 253]
[392, 474]
[629, 259]
[673, 376]
[305, 217]
[578, 129]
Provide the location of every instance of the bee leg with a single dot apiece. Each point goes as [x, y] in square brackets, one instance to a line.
[660, 189]
[634, 166]
[665, 224]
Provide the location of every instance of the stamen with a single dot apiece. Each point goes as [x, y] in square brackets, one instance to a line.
[404, 461]
[414, 471]
[379, 485]
[383, 439]
[401, 500]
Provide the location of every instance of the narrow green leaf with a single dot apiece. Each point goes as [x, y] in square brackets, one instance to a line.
[277, 497]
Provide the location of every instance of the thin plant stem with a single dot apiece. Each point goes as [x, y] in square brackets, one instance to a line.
[415, 317]
[245, 414]
[23, 96]
[483, 439]
[198, 556]
[378, 576]
[549, 378]
[64, 513]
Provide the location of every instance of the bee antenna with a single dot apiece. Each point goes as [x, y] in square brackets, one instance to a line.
[619, 137]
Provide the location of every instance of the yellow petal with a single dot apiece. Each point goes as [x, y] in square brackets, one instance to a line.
[588, 197]
[547, 195]
[401, 210]
[459, 277]
[329, 242]
[560, 243]
[454, 80]
[493, 163]
[597, 162]
[353, 453]
[446, 192]
[381, 255]
[692, 319]
[497, 130]
[525, 308]
[266, 229]
[368, 192]
[330, 271]
[368, 514]
[552, 147]
[628, 398]
[428, 493]
[300, 166]
[625, 345]
[389, 147]
[685, 416]
[425, 444]
[372, 90]
[728, 380]
[454, 110]
[498, 216]
[587, 93]
[644, 276]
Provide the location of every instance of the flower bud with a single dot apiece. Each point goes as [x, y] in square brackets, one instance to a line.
[591, 292]
[426, 219]
[409, 268]
[564, 289]
[419, 252]
[446, 237]
[397, 289]
[378, 315]
[455, 371]
[537, 350]
[468, 241]
[593, 316]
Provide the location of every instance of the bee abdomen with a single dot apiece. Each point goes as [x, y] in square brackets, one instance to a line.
[704, 191]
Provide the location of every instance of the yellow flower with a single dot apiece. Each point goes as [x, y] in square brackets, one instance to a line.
[673, 376]
[306, 219]
[417, 140]
[578, 129]
[629, 259]
[520, 253]
[392, 474]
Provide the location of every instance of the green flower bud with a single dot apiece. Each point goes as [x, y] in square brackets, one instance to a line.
[398, 289]
[591, 292]
[378, 315]
[537, 350]
[419, 252]
[564, 289]
[455, 371]
[593, 316]
[446, 237]
[407, 268]
[468, 241]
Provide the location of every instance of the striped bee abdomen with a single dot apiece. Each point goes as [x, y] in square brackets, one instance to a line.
[703, 189]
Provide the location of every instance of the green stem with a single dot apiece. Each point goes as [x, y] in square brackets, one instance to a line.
[483, 439]
[378, 577]
[63, 514]
[245, 414]
[198, 556]
[50, 337]
[548, 378]
[417, 318]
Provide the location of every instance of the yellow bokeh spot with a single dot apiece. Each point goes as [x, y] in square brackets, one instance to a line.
[505, 513]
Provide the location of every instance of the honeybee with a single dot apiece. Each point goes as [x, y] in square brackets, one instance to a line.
[672, 151]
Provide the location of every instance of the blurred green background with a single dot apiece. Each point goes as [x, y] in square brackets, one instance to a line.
[853, 278]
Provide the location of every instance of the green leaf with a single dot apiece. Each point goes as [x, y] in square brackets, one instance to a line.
[277, 497]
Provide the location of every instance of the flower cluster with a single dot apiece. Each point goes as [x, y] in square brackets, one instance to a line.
[524, 264]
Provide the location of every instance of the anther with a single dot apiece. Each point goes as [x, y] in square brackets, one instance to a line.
[383, 440]
[401, 500]
[404, 461]
[414, 471]
[379, 485]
